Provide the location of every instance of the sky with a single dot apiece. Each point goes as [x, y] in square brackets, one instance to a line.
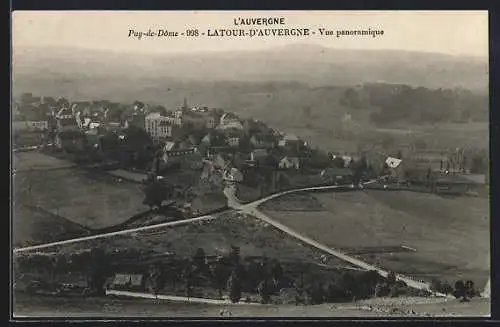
[448, 32]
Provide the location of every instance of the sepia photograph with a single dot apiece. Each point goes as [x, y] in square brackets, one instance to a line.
[250, 164]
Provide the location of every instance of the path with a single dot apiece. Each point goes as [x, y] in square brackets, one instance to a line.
[232, 203]
[252, 209]
[173, 298]
[122, 232]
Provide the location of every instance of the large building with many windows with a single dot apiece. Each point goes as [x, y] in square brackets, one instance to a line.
[158, 126]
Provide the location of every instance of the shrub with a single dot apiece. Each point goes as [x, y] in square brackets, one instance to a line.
[441, 287]
[397, 290]
[315, 293]
[382, 289]
[469, 289]
[391, 278]
[459, 291]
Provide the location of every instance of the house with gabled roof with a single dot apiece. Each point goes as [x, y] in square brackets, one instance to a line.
[289, 163]
[128, 282]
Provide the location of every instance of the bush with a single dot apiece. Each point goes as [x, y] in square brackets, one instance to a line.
[391, 278]
[397, 290]
[382, 289]
[469, 289]
[318, 294]
[459, 291]
[441, 287]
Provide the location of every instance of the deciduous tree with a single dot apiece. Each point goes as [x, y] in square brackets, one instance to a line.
[234, 287]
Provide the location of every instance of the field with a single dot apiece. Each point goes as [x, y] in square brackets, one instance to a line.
[135, 252]
[254, 238]
[30, 306]
[45, 189]
[450, 235]
[34, 226]
[22, 161]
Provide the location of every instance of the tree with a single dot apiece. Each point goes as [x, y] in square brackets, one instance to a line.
[441, 286]
[469, 289]
[234, 256]
[277, 272]
[338, 162]
[98, 270]
[234, 287]
[60, 265]
[156, 192]
[109, 141]
[156, 279]
[352, 99]
[349, 284]
[138, 146]
[334, 291]
[264, 289]
[382, 289]
[26, 98]
[459, 291]
[138, 104]
[359, 169]
[391, 278]
[200, 261]
[317, 293]
[188, 275]
[253, 276]
[219, 275]
[299, 287]
[115, 113]
[62, 102]
[478, 164]
[395, 290]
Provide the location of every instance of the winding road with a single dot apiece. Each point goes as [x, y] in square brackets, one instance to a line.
[250, 208]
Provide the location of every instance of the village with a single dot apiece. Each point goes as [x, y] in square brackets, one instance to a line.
[186, 159]
[149, 138]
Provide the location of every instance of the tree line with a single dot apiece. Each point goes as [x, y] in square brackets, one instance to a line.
[390, 102]
[232, 275]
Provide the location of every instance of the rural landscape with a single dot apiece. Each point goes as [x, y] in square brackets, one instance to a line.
[294, 181]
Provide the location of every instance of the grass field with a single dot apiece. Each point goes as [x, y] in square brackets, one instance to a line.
[34, 160]
[47, 192]
[34, 226]
[450, 235]
[79, 196]
[254, 238]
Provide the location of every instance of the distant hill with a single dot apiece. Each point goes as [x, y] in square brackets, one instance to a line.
[303, 63]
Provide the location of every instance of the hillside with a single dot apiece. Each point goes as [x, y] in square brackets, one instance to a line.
[309, 64]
